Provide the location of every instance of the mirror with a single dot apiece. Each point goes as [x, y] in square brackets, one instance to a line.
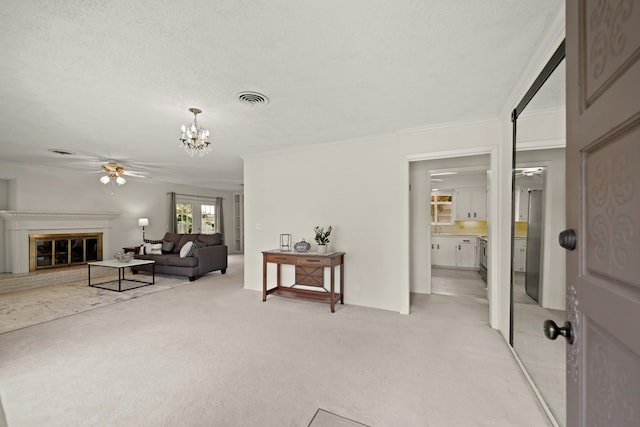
[538, 262]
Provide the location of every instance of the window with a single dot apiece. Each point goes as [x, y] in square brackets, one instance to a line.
[441, 208]
[187, 222]
[208, 218]
[184, 218]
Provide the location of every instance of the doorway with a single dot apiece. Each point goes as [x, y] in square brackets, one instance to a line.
[478, 161]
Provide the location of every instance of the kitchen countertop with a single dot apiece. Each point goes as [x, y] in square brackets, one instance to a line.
[455, 235]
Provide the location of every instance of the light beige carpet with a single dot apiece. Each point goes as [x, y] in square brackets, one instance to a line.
[30, 307]
[324, 418]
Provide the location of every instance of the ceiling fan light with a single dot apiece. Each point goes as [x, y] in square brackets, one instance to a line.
[105, 179]
[121, 181]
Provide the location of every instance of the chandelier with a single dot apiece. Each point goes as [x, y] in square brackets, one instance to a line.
[195, 139]
[114, 172]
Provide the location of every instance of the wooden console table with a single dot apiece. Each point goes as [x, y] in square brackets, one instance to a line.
[309, 272]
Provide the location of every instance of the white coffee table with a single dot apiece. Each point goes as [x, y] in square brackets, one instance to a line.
[122, 266]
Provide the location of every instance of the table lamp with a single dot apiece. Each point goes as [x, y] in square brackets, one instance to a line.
[143, 222]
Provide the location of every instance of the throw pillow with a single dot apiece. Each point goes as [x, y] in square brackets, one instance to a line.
[141, 250]
[152, 241]
[196, 244]
[167, 247]
[153, 248]
[184, 238]
[185, 249]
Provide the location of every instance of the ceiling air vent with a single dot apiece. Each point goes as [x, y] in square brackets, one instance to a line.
[61, 151]
[253, 98]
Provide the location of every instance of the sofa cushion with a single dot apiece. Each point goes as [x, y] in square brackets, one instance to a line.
[211, 239]
[159, 259]
[184, 238]
[182, 262]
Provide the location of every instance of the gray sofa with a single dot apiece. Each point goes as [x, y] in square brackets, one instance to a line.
[209, 253]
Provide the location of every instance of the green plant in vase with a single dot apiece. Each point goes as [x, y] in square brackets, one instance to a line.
[322, 238]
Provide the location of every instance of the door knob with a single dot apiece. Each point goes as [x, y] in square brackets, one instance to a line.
[567, 239]
[552, 330]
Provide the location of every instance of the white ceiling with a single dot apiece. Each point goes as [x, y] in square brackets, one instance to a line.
[114, 79]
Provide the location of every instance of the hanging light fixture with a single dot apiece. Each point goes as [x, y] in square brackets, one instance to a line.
[114, 172]
[195, 139]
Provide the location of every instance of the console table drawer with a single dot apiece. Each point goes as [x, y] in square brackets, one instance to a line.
[281, 259]
[323, 261]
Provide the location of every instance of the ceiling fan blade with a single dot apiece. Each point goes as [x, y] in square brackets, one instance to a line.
[135, 174]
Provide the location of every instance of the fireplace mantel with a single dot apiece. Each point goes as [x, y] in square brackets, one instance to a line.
[26, 215]
[19, 224]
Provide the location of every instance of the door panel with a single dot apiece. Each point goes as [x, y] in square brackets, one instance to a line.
[612, 209]
[603, 206]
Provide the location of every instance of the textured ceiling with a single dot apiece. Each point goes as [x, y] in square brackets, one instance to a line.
[114, 79]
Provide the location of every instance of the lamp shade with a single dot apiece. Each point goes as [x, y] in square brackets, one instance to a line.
[143, 222]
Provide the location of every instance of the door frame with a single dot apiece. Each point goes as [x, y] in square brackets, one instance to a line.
[493, 286]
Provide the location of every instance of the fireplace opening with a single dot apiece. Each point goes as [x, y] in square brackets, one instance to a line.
[63, 250]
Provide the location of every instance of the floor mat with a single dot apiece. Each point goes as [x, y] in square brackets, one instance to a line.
[324, 418]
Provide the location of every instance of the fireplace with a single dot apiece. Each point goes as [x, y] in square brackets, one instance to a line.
[20, 226]
[63, 250]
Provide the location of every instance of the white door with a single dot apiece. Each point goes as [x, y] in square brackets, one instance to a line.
[603, 207]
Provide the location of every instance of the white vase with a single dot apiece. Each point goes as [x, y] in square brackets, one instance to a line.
[322, 249]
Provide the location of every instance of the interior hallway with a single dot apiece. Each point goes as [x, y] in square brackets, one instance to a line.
[211, 353]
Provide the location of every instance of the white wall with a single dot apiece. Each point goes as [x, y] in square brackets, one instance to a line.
[39, 188]
[362, 189]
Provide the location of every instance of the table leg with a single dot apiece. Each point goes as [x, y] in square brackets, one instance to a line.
[333, 287]
[264, 278]
[342, 283]
[89, 278]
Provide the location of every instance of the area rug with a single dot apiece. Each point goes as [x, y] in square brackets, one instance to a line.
[26, 308]
[324, 418]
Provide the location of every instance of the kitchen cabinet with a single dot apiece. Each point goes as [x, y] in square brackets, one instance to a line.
[466, 254]
[443, 251]
[520, 255]
[453, 251]
[471, 203]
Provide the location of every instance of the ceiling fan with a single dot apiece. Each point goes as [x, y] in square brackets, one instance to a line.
[114, 171]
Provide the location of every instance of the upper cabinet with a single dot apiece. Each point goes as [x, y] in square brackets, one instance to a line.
[471, 204]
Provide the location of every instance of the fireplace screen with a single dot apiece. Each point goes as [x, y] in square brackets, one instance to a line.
[63, 250]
